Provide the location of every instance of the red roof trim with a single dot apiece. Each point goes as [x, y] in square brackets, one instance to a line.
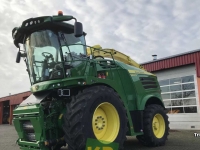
[191, 58]
[16, 98]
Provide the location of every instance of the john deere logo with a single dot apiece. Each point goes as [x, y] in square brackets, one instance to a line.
[93, 144]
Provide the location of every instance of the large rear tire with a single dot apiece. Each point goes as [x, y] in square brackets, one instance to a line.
[98, 113]
[156, 126]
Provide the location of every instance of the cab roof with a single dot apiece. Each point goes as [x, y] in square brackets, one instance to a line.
[31, 25]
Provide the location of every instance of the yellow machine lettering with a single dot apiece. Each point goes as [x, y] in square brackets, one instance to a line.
[107, 148]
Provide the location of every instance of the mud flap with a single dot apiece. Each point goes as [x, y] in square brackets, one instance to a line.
[137, 119]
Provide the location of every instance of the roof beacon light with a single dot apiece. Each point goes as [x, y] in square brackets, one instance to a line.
[60, 13]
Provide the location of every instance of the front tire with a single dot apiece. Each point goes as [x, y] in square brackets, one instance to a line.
[98, 113]
[156, 126]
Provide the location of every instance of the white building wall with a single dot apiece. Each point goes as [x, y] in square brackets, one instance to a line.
[182, 120]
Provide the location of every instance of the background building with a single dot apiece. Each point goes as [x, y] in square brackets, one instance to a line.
[179, 79]
[8, 103]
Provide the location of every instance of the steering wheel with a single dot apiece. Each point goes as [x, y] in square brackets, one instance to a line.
[101, 57]
[50, 55]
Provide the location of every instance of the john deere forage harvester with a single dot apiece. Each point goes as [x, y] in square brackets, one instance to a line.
[81, 92]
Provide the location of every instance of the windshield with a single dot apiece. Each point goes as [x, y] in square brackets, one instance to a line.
[73, 48]
[50, 54]
[43, 53]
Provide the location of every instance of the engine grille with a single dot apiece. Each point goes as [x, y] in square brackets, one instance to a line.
[148, 82]
[29, 131]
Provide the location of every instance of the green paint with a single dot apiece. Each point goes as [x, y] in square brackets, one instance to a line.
[46, 117]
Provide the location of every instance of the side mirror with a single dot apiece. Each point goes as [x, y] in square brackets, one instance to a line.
[18, 57]
[78, 29]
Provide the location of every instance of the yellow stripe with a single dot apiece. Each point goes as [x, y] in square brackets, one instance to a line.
[60, 117]
[139, 72]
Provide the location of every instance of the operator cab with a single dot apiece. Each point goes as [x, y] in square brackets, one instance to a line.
[49, 53]
[52, 46]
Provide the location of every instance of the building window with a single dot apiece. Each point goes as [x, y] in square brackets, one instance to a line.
[179, 94]
[164, 82]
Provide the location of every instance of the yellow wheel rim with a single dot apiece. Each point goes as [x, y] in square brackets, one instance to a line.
[105, 122]
[158, 125]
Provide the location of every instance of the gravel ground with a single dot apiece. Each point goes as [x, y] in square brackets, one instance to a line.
[177, 140]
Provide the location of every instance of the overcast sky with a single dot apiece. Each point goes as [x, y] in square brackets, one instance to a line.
[138, 28]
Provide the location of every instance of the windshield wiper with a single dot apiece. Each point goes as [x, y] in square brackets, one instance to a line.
[65, 41]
